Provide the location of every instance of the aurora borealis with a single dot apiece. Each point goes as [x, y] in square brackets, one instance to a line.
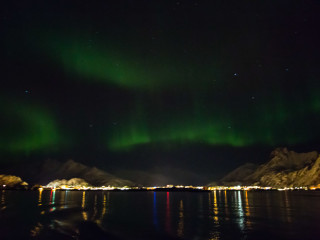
[111, 82]
[28, 129]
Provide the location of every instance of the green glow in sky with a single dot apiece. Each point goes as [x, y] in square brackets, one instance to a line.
[181, 133]
[29, 128]
[271, 124]
[183, 99]
[128, 67]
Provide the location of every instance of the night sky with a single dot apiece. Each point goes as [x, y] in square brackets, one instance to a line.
[198, 87]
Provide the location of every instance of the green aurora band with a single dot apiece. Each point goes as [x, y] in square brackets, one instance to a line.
[273, 124]
[104, 62]
[269, 120]
[29, 128]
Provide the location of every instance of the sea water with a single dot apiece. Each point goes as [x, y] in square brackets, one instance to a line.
[159, 215]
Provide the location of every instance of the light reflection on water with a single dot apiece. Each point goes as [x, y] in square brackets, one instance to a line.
[40, 197]
[226, 206]
[241, 219]
[215, 208]
[287, 207]
[155, 214]
[168, 213]
[3, 200]
[213, 215]
[83, 205]
[181, 220]
[52, 200]
[247, 210]
[215, 233]
[104, 209]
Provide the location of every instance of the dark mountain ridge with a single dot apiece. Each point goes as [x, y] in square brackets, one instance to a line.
[50, 170]
[284, 169]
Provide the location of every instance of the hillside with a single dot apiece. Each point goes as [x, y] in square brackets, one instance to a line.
[50, 170]
[284, 169]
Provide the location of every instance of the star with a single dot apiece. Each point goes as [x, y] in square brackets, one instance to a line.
[235, 74]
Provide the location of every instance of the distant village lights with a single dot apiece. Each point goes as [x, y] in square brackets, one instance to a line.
[175, 187]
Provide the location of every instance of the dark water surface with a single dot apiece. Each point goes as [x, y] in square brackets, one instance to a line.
[159, 215]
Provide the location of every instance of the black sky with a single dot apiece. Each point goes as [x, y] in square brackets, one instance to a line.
[199, 86]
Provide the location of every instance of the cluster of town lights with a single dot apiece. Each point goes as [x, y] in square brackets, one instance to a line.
[66, 187]
[179, 187]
